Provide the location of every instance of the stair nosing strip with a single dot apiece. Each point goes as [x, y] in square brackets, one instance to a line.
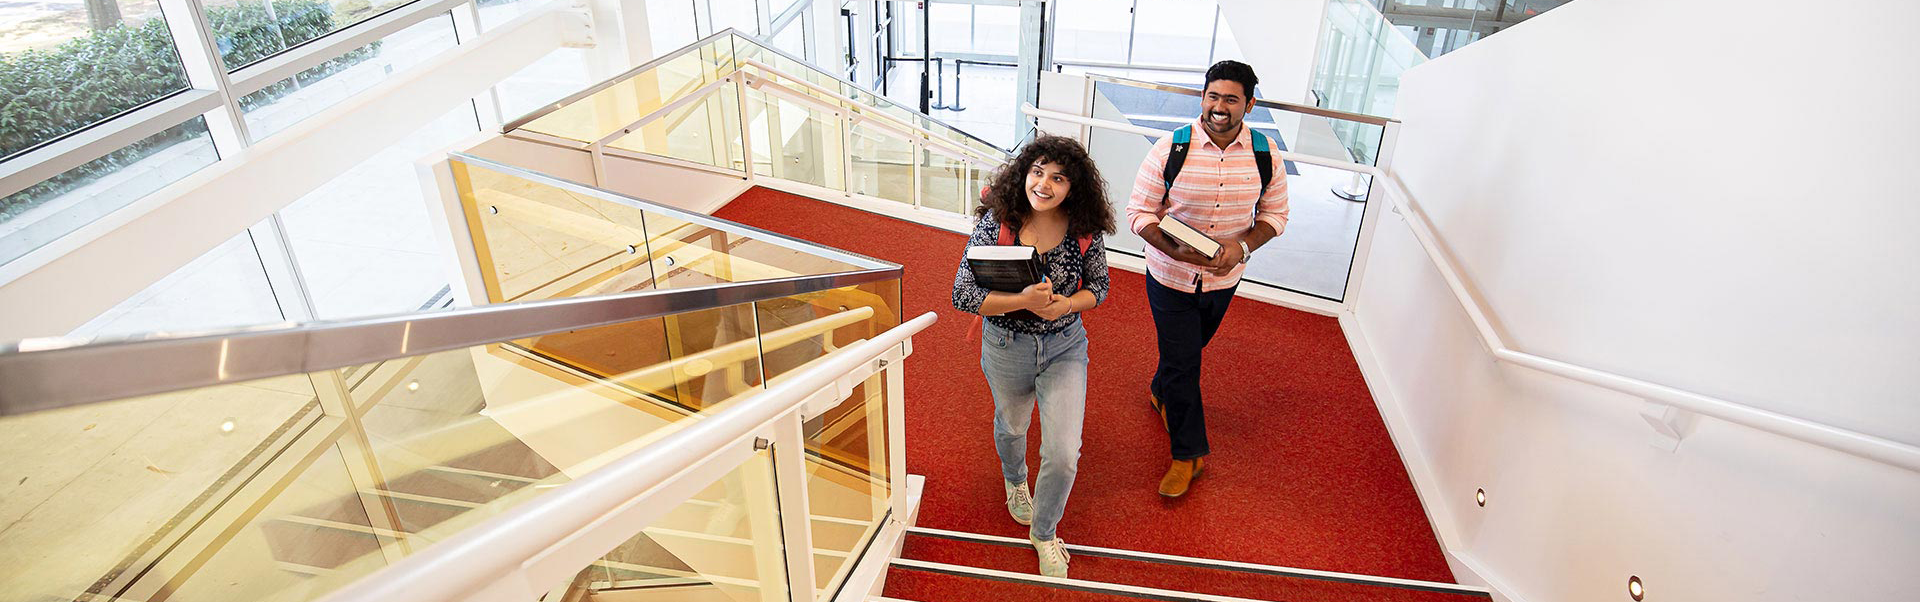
[1245, 567]
[1067, 583]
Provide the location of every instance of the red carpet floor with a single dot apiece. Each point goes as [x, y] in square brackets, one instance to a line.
[1302, 473]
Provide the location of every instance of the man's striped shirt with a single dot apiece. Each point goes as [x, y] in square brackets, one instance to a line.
[1217, 192]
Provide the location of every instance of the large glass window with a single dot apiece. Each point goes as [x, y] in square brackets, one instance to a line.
[1173, 32]
[561, 72]
[288, 101]
[793, 39]
[952, 25]
[226, 287]
[1092, 30]
[670, 24]
[250, 30]
[68, 65]
[996, 29]
[59, 205]
[741, 15]
[364, 241]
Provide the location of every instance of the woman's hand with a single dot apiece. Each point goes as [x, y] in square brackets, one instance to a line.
[1060, 306]
[1037, 295]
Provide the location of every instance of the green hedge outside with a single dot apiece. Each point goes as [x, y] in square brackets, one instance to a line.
[48, 93]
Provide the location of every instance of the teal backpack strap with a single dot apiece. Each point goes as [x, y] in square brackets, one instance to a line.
[1263, 159]
[1176, 157]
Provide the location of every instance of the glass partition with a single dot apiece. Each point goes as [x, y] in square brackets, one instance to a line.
[943, 182]
[625, 100]
[292, 487]
[794, 141]
[882, 163]
[797, 124]
[1315, 253]
[1358, 71]
[723, 544]
[705, 131]
[94, 490]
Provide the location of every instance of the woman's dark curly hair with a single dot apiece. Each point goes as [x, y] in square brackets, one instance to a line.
[1086, 202]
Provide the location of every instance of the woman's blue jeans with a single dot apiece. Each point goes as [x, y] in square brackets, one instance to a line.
[1051, 368]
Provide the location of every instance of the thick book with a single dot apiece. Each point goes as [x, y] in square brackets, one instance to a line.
[1190, 237]
[1007, 269]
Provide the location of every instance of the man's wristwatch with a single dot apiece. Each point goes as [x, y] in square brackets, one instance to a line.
[1245, 252]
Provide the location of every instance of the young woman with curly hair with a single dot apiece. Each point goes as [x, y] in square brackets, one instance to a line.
[1050, 197]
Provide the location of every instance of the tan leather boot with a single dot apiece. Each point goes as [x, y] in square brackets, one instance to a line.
[1180, 476]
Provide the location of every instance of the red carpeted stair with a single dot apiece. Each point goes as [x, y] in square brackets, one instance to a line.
[1302, 473]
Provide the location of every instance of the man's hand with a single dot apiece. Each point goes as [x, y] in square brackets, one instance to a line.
[1059, 306]
[1228, 257]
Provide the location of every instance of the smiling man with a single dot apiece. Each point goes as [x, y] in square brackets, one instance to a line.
[1224, 185]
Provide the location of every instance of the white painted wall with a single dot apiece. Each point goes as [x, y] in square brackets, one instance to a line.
[1280, 39]
[1688, 210]
[1717, 206]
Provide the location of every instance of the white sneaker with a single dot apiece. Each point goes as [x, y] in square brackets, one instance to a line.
[1020, 503]
[1053, 556]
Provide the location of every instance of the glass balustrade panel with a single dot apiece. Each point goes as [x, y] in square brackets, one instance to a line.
[882, 162]
[688, 253]
[607, 111]
[796, 142]
[943, 182]
[706, 131]
[848, 485]
[96, 493]
[539, 241]
[722, 544]
[1315, 253]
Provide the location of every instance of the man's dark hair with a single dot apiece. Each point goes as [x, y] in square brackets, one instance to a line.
[1234, 71]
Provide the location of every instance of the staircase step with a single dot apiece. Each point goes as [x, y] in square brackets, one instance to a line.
[1140, 574]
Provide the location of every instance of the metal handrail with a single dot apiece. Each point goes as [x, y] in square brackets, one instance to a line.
[1258, 102]
[1848, 441]
[1033, 111]
[493, 556]
[612, 81]
[764, 85]
[44, 374]
[692, 217]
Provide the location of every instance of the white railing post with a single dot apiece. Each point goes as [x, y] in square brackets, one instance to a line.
[897, 433]
[796, 528]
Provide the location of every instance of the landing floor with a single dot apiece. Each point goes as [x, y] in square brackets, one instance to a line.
[1303, 473]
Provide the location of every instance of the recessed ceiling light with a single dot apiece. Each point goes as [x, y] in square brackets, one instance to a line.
[1635, 589]
[1480, 497]
[413, 385]
[226, 427]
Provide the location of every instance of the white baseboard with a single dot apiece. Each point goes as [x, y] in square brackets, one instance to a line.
[1466, 568]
